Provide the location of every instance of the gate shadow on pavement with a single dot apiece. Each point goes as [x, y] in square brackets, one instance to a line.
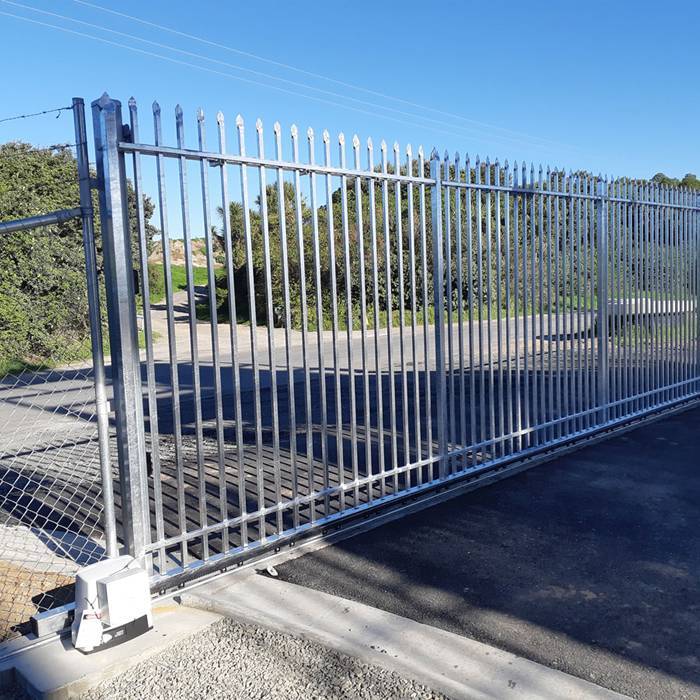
[588, 564]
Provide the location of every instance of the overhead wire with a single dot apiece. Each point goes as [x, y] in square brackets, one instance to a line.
[227, 64]
[312, 74]
[227, 75]
[493, 137]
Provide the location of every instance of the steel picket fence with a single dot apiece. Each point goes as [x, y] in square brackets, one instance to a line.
[374, 325]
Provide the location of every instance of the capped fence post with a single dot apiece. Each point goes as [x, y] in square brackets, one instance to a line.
[438, 292]
[603, 370]
[93, 293]
[123, 330]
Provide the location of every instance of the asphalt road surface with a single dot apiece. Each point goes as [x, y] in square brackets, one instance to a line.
[588, 563]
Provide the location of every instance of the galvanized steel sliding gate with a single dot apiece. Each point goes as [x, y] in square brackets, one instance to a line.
[374, 325]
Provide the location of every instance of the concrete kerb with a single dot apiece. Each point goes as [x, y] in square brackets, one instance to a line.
[457, 666]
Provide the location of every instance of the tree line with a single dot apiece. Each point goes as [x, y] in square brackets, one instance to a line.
[43, 301]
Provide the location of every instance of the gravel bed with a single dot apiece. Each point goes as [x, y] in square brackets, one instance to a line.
[230, 660]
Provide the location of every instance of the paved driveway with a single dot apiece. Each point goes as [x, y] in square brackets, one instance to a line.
[589, 563]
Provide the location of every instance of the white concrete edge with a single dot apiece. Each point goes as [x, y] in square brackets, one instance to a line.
[459, 667]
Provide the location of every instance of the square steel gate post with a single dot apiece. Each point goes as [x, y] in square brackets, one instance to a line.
[438, 283]
[603, 369]
[123, 330]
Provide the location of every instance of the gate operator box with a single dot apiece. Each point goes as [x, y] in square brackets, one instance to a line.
[112, 603]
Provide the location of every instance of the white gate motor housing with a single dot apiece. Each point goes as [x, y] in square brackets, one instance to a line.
[112, 603]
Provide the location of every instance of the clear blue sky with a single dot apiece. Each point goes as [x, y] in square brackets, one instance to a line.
[608, 86]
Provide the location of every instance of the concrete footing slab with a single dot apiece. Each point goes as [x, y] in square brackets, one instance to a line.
[459, 667]
[57, 671]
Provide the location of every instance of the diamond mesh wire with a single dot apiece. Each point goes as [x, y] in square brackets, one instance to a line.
[50, 495]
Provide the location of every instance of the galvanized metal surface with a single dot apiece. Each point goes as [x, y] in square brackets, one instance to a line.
[54, 217]
[392, 331]
[123, 330]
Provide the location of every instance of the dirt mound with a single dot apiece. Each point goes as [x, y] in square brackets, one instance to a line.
[177, 252]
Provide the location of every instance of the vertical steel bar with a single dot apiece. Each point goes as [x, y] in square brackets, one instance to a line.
[349, 316]
[438, 282]
[650, 248]
[412, 281]
[389, 316]
[253, 324]
[588, 245]
[673, 290]
[192, 322]
[426, 321]
[540, 290]
[573, 259]
[614, 265]
[359, 224]
[214, 330]
[299, 220]
[665, 289]
[379, 380]
[603, 398]
[558, 238]
[682, 288]
[621, 247]
[518, 312]
[499, 310]
[233, 331]
[683, 285]
[627, 292]
[459, 256]
[696, 263]
[447, 234]
[480, 307]
[284, 262]
[489, 316]
[507, 307]
[640, 304]
[655, 293]
[566, 301]
[536, 371]
[172, 341]
[526, 229]
[270, 325]
[550, 415]
[316, 250]
[665, 300]
[148, 336]
[592, 291]
[580, 302]
[332, 264]
[401, 296]
[470, 316]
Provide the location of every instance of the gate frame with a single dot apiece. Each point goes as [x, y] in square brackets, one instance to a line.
[113, 141]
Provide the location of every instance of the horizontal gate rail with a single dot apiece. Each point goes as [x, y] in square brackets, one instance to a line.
[54, 217]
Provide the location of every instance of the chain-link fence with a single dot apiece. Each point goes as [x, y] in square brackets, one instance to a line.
[50, 493]
[51, 500]
[53, 449]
